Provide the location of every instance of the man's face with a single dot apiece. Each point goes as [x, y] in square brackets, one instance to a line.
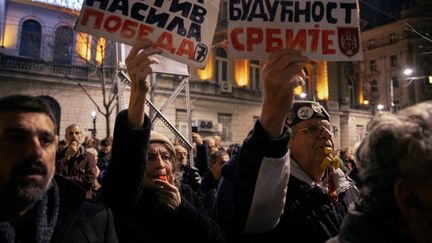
[104, 149]
[73, 134]
[27, 156]
[307, 145]
[211, 145]
[216, 167]
[181, 154]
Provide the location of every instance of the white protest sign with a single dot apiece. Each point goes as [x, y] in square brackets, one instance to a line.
[182, 29]
[165, 65]
[322, 30]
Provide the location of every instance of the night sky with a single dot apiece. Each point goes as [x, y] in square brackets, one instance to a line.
[378, 12]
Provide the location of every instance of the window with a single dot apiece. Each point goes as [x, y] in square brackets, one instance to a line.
[181, 121]
[352, 89]
[221, 65]
[374, 86]
[254, 75]
[63, 45]
[180, 116]
[30, 40]
[395, 81]
[392, 38]
[225, 120]
[360, 132]
[372, 65]
[393, 61]
[371, 44]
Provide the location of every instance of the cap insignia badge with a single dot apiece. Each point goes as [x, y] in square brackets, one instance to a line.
[305, 113]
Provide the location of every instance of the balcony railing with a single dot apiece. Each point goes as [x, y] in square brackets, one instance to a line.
[36, 66]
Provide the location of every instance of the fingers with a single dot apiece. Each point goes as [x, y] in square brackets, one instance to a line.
[298, 77]
[280, 59]
[145, 56]
[143, 44]
[138, 64]
[171, 201]
[141, 71]
[169, 195]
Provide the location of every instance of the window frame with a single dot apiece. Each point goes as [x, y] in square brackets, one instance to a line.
[28, 47]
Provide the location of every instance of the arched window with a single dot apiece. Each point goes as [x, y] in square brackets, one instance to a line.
[30, 42]
[63, 45]
[374, 86]
[221, 65]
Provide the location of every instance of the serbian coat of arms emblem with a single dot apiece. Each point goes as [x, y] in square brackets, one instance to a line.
[349, 40]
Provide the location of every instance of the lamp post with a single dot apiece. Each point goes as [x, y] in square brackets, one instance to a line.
[406, 72]
[391, 106]
[93, 116]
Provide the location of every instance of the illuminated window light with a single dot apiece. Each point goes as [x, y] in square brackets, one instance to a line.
[322, 81]
[100, 50]
[241, 69]
[207, 72]
[83, 46]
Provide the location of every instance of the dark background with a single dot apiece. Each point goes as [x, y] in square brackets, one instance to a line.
[378, 12]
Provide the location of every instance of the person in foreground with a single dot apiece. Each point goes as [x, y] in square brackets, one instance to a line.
[141, 184]
[300, 194]
[395, 203]
[35, 205]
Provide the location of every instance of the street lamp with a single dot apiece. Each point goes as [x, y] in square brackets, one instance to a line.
[380, 107]
[93, 116]
[407, 71]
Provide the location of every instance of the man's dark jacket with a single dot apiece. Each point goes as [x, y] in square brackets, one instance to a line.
[81, 220]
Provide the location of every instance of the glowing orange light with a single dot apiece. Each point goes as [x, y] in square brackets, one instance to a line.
[298, 90]
[360, 94]
[207, 72]
[10, 35]
[322, 81]
[83, 46]
[100, 50]
[241, 72]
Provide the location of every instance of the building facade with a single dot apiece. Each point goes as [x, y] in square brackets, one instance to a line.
[42, 55]
[391, 49]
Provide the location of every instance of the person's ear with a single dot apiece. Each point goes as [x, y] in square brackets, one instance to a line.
[407, 198]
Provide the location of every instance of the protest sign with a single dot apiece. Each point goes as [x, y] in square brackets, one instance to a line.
[165, 65]
[182, 29]
[322, 30]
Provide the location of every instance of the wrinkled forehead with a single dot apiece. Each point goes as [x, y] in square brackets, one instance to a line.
[155, 147]
[73, 129]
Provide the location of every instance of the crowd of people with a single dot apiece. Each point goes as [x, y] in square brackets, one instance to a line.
[286, 182]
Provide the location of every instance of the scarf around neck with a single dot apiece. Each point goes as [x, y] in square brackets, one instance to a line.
[42, 218]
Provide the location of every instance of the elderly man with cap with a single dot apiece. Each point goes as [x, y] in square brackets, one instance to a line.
[141, 184]
[297, 193]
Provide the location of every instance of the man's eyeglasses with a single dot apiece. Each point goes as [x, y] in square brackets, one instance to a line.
[315, 131]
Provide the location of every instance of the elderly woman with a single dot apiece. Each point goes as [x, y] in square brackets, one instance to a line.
[395, 167]
[141, 185]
